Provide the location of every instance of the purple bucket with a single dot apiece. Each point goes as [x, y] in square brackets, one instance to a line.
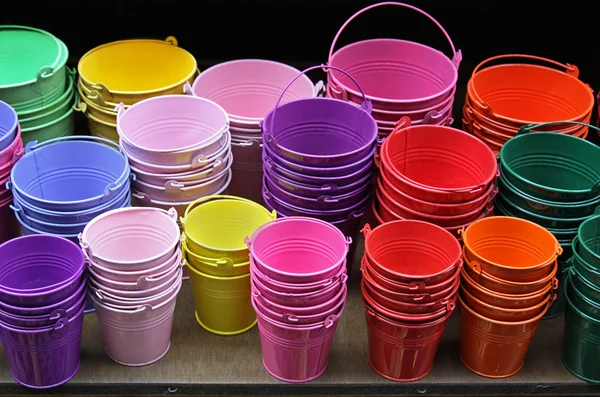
[46, 357]
[45, 310]
[320, 132]
[39, 270]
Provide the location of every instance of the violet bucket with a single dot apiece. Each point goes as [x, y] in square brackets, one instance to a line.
[46, 357]
[39, 270]
[138, 336]
[395, 74]
[298, 249]
[296, 353]
[335, 134]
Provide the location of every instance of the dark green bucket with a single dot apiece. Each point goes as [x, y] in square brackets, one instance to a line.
[581, 342]
[552, 166]
[582, 267]
[589, 241]
[585, 287]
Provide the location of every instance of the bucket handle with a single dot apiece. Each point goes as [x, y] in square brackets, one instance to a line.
[220, 262]
[366, 104]
[416, 286]
[456, 55]
[34, 145]
[530, 127]
[569, 69]
[206, 199]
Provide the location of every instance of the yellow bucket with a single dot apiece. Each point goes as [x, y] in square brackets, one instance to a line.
[221, 267]
[223, 304]
[88, 107]
[129, 71]
[216, 226]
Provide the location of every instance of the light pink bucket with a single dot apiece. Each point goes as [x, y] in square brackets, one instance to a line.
[296, 353]
[172, 129]
[144, 288]
[248, 88]
[131, 238]
[117, 302]
[395, 74]
[302, 299]
[298, 249]
[137, 337]
[300, 315]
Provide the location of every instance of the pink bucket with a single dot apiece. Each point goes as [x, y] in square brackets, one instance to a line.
[131, 238]
[137, 337]
[395, 74]
[13, 152]
[296, 353]
[144, 288]
[298, 299]
[172, 129]
[117, 302]
[298, 249]
[248, 88]
[296, 288]
[300, 315]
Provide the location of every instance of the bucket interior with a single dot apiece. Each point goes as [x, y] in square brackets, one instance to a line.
[321, 127]
[553, 160]
[510, 242]
[300, 246]
[250, 88]
[412, 248]
[171, 122]
[440, 157]
[137, 65]
[394, 69]
[69, 171]
[532, 93]
[8, 122]
[135, 235]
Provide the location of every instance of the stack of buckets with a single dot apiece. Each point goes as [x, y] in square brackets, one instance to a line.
[215, 228]
[318, 160]
[405, 81]
[508, 283]
[41, 318]
[60, 185]
[40, 88]
[435, 174]
[248, 89]
[410, 280]
[129, 71]
[299, 290]
[552, 180]
[11, 149]
[134, 266]
[516, 90]
[581, 346]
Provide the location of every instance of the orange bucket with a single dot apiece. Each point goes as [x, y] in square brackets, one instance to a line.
[491, 348]
[527, 93]
[511, 249]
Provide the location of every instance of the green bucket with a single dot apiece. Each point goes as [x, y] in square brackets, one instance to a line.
[547, 208]
[586, 287]
[584, 268]
[589, 241]
[552, 166]
[581, 342]
[580, 300]
[33, 67]
[58, 128]
[51, 111]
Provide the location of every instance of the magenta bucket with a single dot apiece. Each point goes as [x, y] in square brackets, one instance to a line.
[298, 249]
[296, 353]
[39, 270]
[395, 74]
[46, 357]
[139, 336]
[320, 132]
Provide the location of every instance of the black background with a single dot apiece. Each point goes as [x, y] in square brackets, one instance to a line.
[300, 32]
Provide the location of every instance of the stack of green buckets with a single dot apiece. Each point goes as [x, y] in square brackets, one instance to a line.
[553, 180]
[35, 81]
[581, 346]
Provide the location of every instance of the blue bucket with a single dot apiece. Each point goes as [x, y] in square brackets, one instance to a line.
[70, 173]
[8, 125]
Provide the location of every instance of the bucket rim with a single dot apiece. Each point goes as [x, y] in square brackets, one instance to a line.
[570, 303]
[497, 322]
[62, 322]
[212, 277]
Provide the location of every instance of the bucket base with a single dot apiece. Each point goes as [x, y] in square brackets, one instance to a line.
[291, 380]
[576, 374]
[490, 376]
[142, 364]
[50, 386]
[224, 333]
[396, 379]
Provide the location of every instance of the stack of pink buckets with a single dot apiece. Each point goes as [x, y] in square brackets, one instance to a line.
[11, 149]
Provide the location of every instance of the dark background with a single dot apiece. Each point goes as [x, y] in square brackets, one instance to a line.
[300, 32]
